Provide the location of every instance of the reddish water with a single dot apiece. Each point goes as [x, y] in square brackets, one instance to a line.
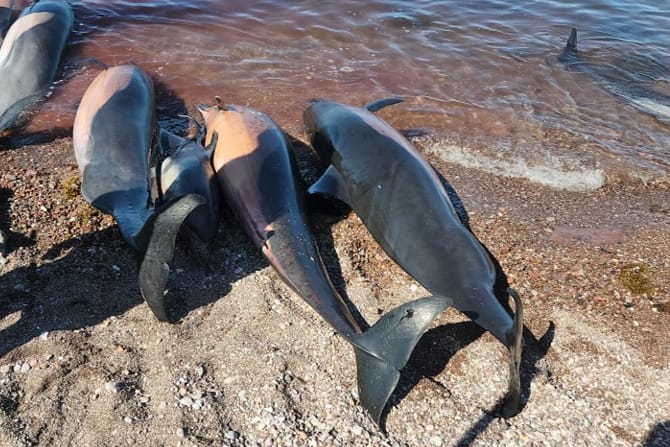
[481, 78]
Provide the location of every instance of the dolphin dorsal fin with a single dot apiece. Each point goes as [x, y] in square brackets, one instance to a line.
[572, 40]
[381, 103]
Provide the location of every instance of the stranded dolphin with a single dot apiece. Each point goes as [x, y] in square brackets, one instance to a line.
[30, 54]
[6, 13]
[621, 84]
[401, 201]
[258, 177]
[112, 137]
[188, 170]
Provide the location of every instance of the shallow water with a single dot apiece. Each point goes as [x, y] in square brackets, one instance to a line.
[482, 79]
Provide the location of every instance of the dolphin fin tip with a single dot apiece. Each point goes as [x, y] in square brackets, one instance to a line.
[384, 349]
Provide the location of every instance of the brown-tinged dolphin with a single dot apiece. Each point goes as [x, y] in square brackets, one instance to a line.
[402, 202]
[30, 55]
[188, 170]
[112, 135]
[6, 13]
[259, 179]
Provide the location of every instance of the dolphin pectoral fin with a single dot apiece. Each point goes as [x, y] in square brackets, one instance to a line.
[158, 236]
[212, 143]
[512, 401]
[381, 103]
[384, 349]
[331, 184]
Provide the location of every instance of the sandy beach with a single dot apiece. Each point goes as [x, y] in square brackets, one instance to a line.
[83, 362]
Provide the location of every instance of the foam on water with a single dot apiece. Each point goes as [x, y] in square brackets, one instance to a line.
[556, 172]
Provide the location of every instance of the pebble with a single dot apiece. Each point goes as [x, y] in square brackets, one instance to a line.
[181, 433]
[3, 241]
[25, 367]
[186, 401]
[436, 441]
[128, 420]
[4, 369]
[111, 387]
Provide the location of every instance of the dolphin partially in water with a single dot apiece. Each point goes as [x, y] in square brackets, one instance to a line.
[259, 179]
[113, 133]
[618, 83]
[30, 55]
[402, 202]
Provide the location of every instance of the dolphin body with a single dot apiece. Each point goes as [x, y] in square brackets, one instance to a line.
[259, 178]
[30, 55]
[6, 13]
[189, 171]
[646, 100]
[402, 202]
[112, 137]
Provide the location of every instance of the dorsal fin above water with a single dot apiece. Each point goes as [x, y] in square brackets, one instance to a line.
[572, 40]
[381, 103]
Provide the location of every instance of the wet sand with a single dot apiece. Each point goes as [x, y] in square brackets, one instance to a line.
[84, 362]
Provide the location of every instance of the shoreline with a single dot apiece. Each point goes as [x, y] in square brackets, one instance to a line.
[248, 363]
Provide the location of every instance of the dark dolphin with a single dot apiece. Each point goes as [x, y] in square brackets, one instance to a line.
[400, 199]
[622, 83]
[259, 179]
[30, 55]
[6, 13]
[112, 136]
[188, 170]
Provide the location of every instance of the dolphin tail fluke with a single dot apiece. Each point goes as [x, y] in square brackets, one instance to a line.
[384, 349]
[156, 242]
[512, 401]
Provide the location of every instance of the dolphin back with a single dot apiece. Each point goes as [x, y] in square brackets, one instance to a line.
[30, 55]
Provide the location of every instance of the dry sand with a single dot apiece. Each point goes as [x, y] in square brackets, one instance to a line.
[83, 362]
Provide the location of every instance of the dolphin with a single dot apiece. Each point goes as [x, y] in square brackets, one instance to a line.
[625, 88]
[112, 136]
[30, 55]
[6, 13]
[402, 202]
[189, 171]
[259, 179]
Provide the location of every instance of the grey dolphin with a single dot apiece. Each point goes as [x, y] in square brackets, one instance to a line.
[30, 55]
[402, 202]
[189, 171]
[112, 137]
[631, 91]
[6, 13]
[258, 177]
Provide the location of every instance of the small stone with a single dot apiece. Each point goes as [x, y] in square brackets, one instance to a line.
[25, 367]
[181, 433]
[436, 441]
[186, 401]
[44, 335]
[357, 430]
[128, 420]
[200, 371]
[111, 387]
[231, 435]
[4, 369]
